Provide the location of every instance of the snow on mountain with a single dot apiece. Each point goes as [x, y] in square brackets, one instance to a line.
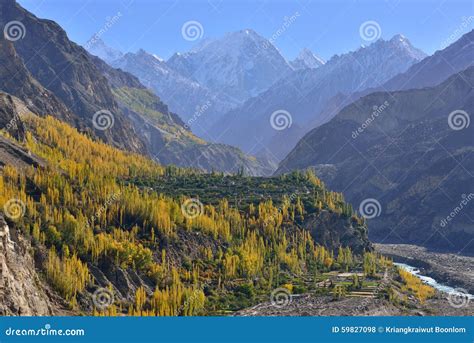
[198, 106]
[307, 59]
[305, 93]
[438, 67]
[97, 47]
[241, 64]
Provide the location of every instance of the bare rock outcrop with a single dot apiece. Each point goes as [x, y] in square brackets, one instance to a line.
[22, 292]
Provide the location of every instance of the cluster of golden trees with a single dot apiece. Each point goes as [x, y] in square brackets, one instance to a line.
[84, 207]
[416, 286]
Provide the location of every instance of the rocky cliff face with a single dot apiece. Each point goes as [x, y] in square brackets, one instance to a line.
[414, 155]
[47, 59]
[17, 80]
[22, 290]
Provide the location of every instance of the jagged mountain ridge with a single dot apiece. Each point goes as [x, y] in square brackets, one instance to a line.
[97, 47]
[75, 86]
[409, 158]
[240, 65]
[64, 69]
[307, 59]
[199, 106]
[305, 93]
[167, 137]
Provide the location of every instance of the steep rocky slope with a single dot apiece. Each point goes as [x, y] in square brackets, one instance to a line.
[296, 103]
[54, 76]
[65, 69]
[199, 106]
[22, 291]
[410, 150]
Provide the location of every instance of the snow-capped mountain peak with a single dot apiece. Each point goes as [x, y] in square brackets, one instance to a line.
[403, 42]
[307, 59]
[240, 64]
[96, 46]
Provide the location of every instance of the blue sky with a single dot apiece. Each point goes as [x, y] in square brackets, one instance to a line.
[326, 27]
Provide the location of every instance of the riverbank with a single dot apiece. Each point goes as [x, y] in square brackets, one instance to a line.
[453, 270]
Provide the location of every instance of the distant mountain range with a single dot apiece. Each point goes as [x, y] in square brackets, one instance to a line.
[87, 93]
[218, 74]
[411, 150]
[199, 106]
[305, 93]
[241, 79]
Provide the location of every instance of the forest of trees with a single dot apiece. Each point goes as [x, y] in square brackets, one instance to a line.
[92, 205]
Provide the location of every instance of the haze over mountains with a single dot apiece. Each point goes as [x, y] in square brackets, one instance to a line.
[305, 93]
[412, 150]
[241, 79]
